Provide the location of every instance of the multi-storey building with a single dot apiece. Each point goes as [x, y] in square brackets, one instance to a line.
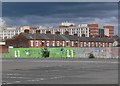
[101, 32]
[8, 32]
[86, 30]
[94, 30]
[80, 30]
[109, 30]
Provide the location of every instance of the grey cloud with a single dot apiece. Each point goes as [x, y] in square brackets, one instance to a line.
[51, 14]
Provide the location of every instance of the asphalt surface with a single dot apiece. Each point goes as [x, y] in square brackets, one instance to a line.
[59, 71]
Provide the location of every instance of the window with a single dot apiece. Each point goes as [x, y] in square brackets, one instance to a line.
[96, 44]
[84, 44]
[53, 43]
[31, 43]
[106, 45]
[58, 43]
[72, 43]
[47, 43]
[63, 43]
[92, 44]
[43, 43]
[99, 44]
[81, 44]
[67, 43]
[103, 44]
[37, 43]
[88, 44]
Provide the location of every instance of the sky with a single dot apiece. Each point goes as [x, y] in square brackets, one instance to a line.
[53, 13]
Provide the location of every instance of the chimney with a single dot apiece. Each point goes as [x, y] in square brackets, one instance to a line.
[26, 31]
[37, 31]
[66, 33]
[58, 33]
[48, 32]
[5, 38]
[75, 34]
[63, 26]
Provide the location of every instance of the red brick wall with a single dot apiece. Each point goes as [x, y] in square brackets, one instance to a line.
[111, 30]
[92, 25]
[93, 29]
[3, 49]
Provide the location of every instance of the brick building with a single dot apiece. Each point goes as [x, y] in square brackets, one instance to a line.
[3, 48]
[94, 30]
[79, 30]
[86, 30]
[56, 40]
[109, 30]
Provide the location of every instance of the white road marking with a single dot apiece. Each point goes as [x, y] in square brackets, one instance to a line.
[10, 74]
[18, 81]
[38, 79]
[42, 78]
[57, 77]
[7, 83]
[12, 77]
[16, 77]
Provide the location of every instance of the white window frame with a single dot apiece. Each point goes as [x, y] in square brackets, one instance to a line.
[31, 43]
[63, 43]
[88, 44]
[53, 43]
[81, 44]
[84, 44]
[58, 43]
[92, 44]
[99, 44]
[47, 44]
[103, 44]
[96, 44]
[72, 43]
[37, 43]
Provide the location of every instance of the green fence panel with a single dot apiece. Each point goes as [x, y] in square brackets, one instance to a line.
[37, 53]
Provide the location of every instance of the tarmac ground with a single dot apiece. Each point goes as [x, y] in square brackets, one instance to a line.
[59, 71]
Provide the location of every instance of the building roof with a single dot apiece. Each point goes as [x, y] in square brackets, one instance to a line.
[66, 37]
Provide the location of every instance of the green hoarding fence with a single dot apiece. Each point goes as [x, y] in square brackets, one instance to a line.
[40, 53]
[61, 52]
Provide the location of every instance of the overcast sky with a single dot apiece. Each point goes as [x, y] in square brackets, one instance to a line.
[52, 14]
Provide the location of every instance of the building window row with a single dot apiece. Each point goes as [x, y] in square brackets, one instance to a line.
[69, 43]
